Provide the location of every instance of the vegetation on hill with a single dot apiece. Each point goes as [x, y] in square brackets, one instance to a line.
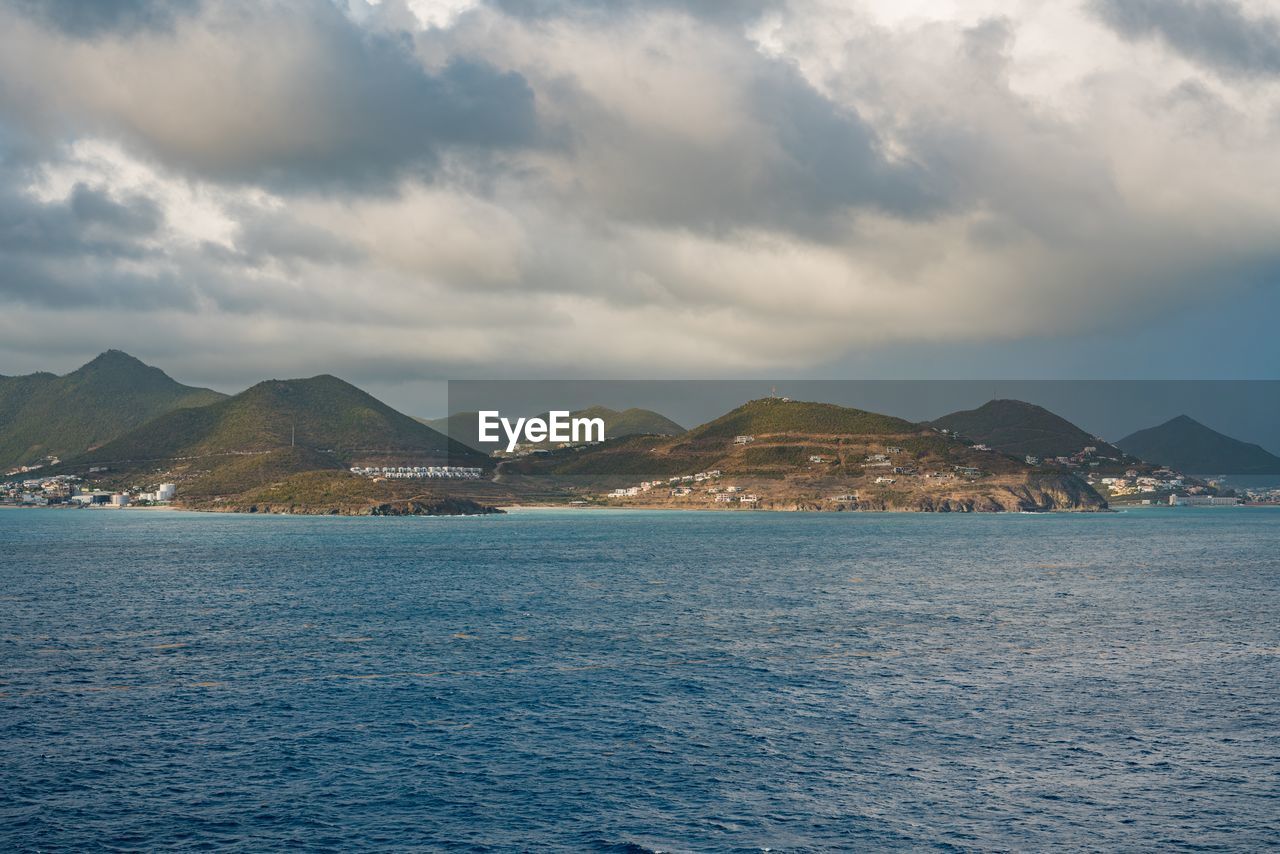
[342, 493]
[774, 415]
[44, 414]
[786, 439]
[464, 426]
[1019, 428]
[230, 476]
[322, 414]
[631, 422]
[1189, 446]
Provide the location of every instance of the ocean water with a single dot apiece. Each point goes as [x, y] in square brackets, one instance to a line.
[638, 681]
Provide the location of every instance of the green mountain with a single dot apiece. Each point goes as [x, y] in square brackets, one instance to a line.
[323, 415]
[631, 422]
[464, 426]
[802, 456]
[44, 414]
[775, 415]
[1189, 446]
[1018, 428]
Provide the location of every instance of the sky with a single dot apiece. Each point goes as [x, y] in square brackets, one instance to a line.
[408, 191]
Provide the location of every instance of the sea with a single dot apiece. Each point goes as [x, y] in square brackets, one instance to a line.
[634, 681]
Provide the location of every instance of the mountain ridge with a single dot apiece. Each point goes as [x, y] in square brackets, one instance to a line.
[788, 455]
[1020, 428]
[323, 413]
[1187, 445]
[635, 421]
[44, 414]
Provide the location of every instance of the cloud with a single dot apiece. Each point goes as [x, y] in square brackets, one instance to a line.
[1217, 33]
[93, 17]
[386, 190]
[282, 94]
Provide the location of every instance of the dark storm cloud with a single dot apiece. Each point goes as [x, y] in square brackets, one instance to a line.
[1216, 33]
[389, 115]
[73, 284]
[92, 17]
[289, 95]
[797, 162]
[88, 222]
[645, 185]
[832, 158]
[65, 253]
[136, 216]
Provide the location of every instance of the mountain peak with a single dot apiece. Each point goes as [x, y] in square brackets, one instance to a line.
[775, 415]
[1187, 445]
[99, 401]
[1019, 428]
[114, 359]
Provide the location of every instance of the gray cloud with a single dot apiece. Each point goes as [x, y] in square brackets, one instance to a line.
[1217, 33]
[298, 186]
[88, 222]
[86, 249]
[832, 158]
[290, 95]
[93, 17]
[720, 11]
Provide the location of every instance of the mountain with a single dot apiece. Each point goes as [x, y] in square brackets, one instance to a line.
[323, 415]
[790, 455]
[1019, 428]
[1187, 445]
[44, 414]
[631, 422]
[464, 426]
[776, 415]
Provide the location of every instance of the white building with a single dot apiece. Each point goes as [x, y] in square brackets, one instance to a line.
[1202, 501]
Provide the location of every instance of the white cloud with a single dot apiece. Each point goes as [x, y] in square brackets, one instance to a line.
[729, 193]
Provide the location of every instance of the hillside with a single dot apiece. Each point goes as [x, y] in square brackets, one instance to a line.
[1187, 445]
[769, 416]
[809, 456]
[323, 414]
[631, 422]
[1018, 428]
[44, 414]
[464, 427]
[333, 493]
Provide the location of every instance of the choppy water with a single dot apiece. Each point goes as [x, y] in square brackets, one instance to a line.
[630, 681]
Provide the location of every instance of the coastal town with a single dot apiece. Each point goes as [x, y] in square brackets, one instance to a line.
[72, 491]
[419, 472]
[892, 464]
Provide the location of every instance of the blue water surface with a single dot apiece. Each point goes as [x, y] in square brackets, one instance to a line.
[619, 681]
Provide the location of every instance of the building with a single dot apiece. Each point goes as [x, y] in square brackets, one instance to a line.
[1203, 501]
[743, 440]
